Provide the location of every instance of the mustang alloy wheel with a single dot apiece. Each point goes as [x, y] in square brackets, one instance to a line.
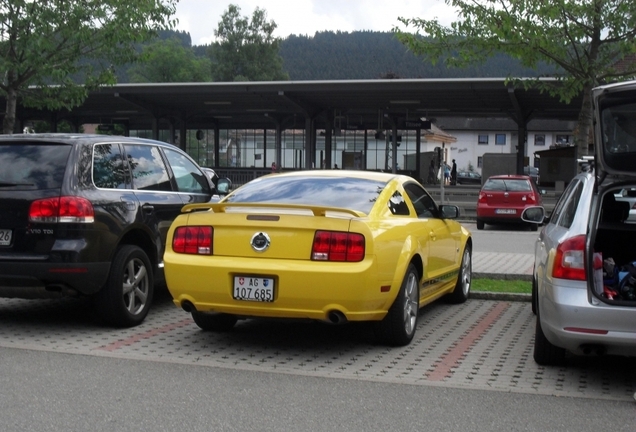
[464, 278]
[399, 325]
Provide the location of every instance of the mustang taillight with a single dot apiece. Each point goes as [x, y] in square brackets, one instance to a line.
[569, 259]
[193, 240]
[338, 246]
[68, 209]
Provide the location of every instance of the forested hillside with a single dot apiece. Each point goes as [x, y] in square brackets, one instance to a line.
[368, 55]
[363, 55]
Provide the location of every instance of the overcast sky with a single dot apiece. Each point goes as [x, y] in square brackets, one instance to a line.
[305, 17]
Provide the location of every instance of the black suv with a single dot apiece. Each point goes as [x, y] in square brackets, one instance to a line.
[87, 215]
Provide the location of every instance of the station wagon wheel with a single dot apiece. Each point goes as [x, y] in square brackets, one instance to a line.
[126, 298]
[545, 353]
[398, 326]
[214, 321]
[480, 225]
[464, 278]
[535, 289]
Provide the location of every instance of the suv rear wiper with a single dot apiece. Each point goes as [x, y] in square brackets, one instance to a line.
[7, 184]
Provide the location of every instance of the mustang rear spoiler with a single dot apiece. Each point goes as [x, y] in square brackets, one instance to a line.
[222, 207]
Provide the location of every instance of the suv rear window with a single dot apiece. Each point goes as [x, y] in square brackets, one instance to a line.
[510, 185]
[33, 166]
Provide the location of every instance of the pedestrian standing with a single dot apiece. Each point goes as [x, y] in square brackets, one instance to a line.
[454, 173]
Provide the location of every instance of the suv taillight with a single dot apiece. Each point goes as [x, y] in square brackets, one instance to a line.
[337, 246]
[67, 209]
[569, 259]
[195, 240]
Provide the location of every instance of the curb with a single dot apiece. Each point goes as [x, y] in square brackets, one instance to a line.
[482, 295]
[503, 276]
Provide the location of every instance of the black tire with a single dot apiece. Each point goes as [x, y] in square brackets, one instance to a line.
[218, 322]
[462, 287]
[545, 353]
[480, 225]
[126, 298]
[534, 227]
[399, 325]
[535, 289]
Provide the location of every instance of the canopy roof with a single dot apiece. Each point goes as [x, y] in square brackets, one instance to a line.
[359, 104]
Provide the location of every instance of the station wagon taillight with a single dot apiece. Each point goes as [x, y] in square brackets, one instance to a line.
[195, 240]
[338, 246]
[67, 209]
[569, 259]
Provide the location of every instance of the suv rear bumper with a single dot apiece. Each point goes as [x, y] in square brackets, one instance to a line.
[51, 280]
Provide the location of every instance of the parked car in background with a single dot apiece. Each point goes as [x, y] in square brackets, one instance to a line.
[584, 279]
[307, 244]
[214, 178]
[533, 173]
[468, 177]
[503, 198]
[628, 195]
[88, 215]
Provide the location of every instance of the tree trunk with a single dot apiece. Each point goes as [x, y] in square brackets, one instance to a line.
[8, 122]
[584, 125]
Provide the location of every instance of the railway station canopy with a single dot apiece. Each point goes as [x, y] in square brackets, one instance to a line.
[357, 104]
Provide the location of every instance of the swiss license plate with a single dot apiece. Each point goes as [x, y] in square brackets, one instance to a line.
[5, 237]
[506, 211]
[251, 288]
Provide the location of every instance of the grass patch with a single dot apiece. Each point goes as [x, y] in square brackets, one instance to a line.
[502, 286]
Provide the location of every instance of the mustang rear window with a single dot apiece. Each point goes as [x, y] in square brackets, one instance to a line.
[32, 166]
[352, 193]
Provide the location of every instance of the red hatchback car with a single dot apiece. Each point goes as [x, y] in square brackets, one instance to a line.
[503, 198]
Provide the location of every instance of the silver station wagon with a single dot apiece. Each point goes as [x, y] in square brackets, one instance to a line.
[584, 280]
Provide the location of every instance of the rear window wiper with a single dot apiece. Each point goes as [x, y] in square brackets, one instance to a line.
[7, 184]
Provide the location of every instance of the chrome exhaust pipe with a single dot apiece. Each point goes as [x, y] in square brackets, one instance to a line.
[336, 317]
[188, 306]
[593, 349]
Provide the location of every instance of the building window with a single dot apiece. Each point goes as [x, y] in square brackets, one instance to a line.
[539, 140]
[563, 140]
[482, 139]
[480, 162]
[500, 139]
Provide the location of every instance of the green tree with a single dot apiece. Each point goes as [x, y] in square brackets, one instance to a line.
[169, 61]
[47, 47]
[585, 40]
[246, 50]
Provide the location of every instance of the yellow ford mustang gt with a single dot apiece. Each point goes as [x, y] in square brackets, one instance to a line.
[335, 246]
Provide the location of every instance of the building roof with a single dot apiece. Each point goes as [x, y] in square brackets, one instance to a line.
[354, 104]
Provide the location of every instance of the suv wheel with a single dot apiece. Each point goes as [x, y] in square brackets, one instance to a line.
[125, 299]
